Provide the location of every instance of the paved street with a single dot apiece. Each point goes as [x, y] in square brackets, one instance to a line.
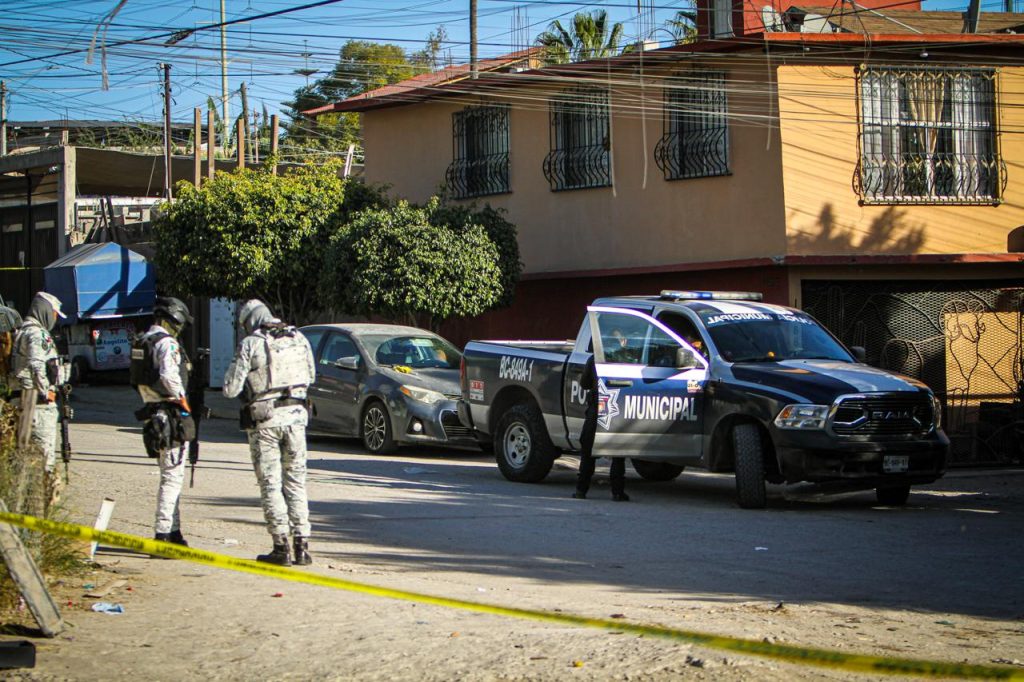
[940, 578]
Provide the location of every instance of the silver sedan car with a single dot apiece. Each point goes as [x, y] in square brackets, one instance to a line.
[387, 384]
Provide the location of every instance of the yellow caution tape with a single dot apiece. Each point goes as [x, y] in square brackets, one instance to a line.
[785, 652]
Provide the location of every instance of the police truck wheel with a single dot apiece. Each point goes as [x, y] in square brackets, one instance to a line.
[522, 448]
[656, 471]
[750, 483]
[893, 496]
[375, 429]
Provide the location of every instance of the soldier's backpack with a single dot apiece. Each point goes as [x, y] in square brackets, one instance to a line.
[286, 361]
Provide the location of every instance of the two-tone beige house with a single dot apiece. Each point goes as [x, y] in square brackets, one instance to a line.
[867, 167]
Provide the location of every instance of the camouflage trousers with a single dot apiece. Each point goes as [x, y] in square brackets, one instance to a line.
[44, 433]
[279, 460]
[168, 495]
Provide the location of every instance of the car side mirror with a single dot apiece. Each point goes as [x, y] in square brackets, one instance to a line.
[859, 353]
[348, 362]
[685, 358]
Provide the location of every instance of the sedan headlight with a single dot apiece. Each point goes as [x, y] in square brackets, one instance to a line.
[422, 395]
[802, 417]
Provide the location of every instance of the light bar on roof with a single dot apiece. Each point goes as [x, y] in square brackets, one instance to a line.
[671, 295]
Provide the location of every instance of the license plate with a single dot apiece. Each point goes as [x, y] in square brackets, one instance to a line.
[895, 464]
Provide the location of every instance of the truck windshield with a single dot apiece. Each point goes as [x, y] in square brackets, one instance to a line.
[756, 336]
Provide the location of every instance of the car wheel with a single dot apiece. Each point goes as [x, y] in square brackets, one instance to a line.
[750, 483]
[893, 496]
[656, 471]
[375, 429]
[522, 448]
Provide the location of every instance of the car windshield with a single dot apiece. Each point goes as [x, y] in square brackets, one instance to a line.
[417, 352]
[770, 336]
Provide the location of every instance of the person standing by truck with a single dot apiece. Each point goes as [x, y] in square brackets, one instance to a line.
[587, 462]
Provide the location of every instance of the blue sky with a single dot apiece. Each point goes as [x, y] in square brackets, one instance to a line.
[265, 54]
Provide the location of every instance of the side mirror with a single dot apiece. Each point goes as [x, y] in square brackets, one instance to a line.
[685, 358]
[859, 353]
[348, 362]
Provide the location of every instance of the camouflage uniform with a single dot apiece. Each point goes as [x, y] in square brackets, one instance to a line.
[170, 361]
[34, 349]
[278, 444]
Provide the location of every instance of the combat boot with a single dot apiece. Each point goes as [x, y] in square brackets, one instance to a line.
[302, 557]
[177, 538]
[280, 554]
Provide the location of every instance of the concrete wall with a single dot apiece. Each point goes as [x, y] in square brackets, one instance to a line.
[644, 220]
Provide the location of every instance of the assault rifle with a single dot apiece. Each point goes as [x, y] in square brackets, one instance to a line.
[197, 385]
[66, 415]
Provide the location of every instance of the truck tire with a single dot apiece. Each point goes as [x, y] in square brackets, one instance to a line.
[375, 429]
[522, 447]
[750, 482]
[656, 471]
[893, 496]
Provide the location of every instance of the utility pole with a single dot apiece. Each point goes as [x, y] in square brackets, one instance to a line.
[3, 118]
[273, 143]
[243, 120]
[473, 70]
[197, 147]
[225, 103]
[167, 132]
[211, 142]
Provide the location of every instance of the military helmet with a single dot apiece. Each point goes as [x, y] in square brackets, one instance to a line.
[171, 308]
[252, 313]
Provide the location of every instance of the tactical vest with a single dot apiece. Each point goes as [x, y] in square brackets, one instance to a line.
[286, 362]
[143, 370]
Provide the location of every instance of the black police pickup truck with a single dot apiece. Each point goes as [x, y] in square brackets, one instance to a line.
[715, 380]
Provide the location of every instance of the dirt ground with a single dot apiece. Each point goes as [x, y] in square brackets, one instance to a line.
[184, 621]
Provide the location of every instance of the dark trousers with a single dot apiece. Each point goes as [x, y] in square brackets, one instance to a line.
[588, 462]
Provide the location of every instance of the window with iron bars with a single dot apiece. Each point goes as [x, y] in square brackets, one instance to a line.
[695, 142]
[928, 135]
[580, 155]
[481, 163]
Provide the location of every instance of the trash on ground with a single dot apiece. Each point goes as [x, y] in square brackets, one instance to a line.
[107, 607]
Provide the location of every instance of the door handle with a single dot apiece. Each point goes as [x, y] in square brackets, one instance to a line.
[619, 382]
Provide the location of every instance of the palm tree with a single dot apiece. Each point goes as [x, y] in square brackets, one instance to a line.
[683, 26]
[590, 38]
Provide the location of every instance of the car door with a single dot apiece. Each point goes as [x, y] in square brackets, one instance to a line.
[339, 372]
[651, 395]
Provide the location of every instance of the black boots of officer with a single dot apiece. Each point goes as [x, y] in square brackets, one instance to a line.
[174, 537]
[302, 557]
[280, 555]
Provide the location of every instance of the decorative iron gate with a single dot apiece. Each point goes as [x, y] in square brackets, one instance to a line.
[966, 344]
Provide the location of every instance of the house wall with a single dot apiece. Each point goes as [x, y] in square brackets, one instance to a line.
[818, 120]
[644, 220]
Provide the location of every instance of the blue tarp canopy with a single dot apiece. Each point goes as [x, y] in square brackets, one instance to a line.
[96, 281]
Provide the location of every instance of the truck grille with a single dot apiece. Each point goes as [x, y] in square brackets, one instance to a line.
[886, 415]
[453, 428]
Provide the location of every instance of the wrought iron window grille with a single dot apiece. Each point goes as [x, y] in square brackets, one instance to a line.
[480, 164]
[928, 135]
[580, 140]
[695, 141]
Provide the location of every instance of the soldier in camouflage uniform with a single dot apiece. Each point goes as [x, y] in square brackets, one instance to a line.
[272, 369]
[36, 365]
[160, 372]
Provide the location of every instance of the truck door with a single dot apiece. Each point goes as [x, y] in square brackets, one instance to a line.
[650, 388]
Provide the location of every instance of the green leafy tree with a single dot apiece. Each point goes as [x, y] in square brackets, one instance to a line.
[393, 262]
[432, 55]
[362, 66]
[590, 37]
[500, 231]
[253, 234]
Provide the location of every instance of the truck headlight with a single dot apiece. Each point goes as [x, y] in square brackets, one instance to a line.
[936, 412]
[422, 395]
[802, 417]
